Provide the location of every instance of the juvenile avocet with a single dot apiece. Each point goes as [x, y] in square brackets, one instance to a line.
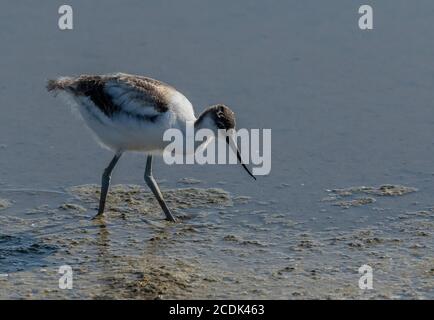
[131, 113]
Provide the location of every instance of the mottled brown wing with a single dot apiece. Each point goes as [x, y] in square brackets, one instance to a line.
[120, 93]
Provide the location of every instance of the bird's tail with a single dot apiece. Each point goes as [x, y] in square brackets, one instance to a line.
[59, 84]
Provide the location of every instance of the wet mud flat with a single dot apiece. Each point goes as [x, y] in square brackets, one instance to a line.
[225, 246]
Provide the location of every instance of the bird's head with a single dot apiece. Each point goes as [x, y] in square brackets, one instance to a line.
[220, 119]
[216, 117]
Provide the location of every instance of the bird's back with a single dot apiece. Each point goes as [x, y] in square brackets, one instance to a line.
[123, 107]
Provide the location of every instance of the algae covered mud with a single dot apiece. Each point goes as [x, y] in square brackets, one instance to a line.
[220, 249]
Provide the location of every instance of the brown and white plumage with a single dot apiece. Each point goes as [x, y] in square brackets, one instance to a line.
[126, 112]
[131, 113]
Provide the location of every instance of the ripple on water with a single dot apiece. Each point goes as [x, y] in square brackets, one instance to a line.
[22, 251]
[5, 203]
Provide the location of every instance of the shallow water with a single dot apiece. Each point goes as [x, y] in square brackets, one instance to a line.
[221, 248]
[346, 108]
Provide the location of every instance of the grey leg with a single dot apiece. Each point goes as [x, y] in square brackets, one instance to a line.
[105, 183]
[152, 184]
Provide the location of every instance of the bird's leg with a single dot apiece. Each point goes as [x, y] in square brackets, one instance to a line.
[152, 184]
[105, 183]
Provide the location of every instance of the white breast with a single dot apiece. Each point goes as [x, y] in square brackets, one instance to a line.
[181, 107]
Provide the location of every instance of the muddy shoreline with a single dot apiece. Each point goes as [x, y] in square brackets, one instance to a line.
[133, 253]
